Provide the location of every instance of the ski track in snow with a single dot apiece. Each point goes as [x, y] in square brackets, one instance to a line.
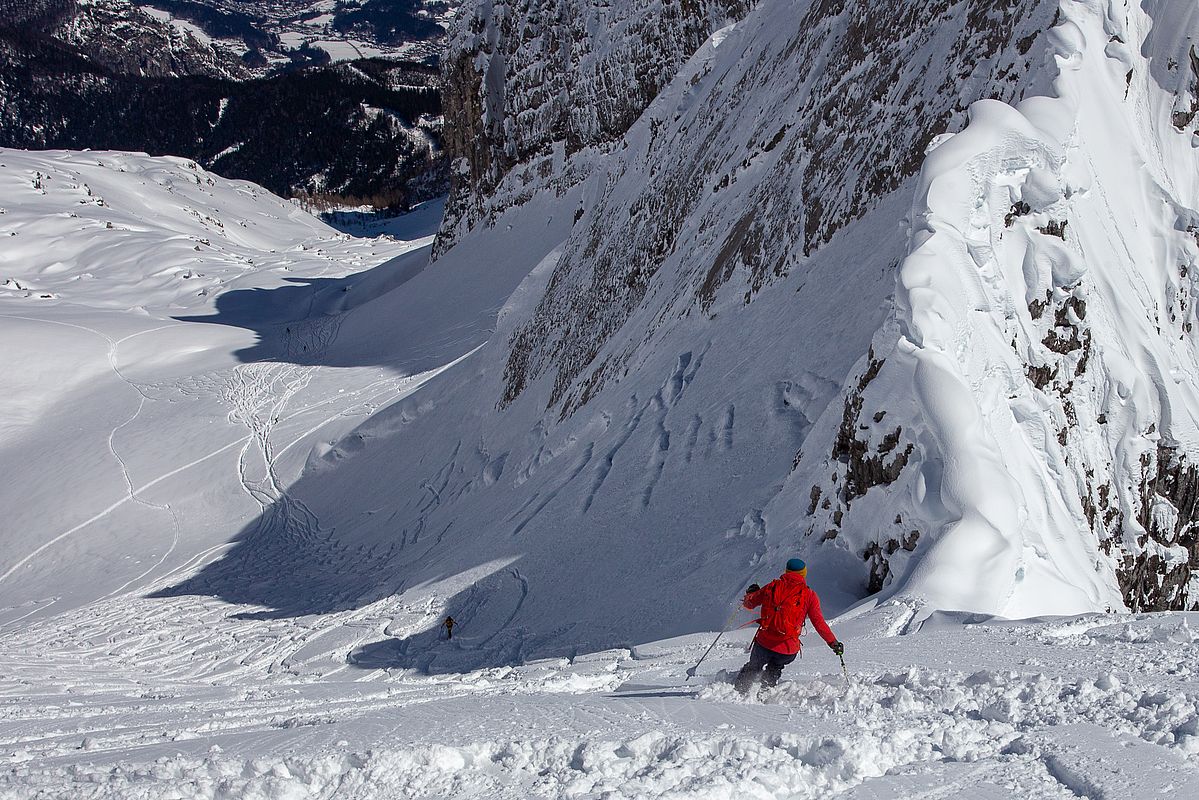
[259, 393]
[982, 709]
[276, 402]
[175, 522]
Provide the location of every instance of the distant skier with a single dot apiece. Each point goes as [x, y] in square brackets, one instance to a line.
[786, 603]
[449, 627]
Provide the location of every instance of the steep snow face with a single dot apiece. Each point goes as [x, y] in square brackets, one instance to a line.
[778, 134]
[1034, 397]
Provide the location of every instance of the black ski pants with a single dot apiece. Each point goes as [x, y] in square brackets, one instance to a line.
[765, 662]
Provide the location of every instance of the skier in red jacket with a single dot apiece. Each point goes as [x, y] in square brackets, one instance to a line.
[786, 603]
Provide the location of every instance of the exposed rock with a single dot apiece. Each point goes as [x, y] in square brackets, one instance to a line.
[1185, 114]
[1037, 307]
[522, 77]
[910, 540]
[1150, 579]
[1019, 209]
[1041, 376]
[879, 568]
[815, 500]
[839, 152]
[1055, 228]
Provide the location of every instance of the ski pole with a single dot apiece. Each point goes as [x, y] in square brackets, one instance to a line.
[844, 671]
[691, 670]
[723, 631]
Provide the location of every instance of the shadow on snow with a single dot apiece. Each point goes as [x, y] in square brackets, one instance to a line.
[297, 323]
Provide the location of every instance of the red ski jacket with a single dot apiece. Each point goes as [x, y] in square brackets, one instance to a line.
[789, 589]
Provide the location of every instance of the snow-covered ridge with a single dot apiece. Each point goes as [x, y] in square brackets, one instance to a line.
[1043, 342]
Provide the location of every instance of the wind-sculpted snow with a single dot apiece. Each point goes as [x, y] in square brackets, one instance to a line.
[1041, 356]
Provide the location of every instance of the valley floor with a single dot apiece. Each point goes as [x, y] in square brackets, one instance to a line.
[1096, 706]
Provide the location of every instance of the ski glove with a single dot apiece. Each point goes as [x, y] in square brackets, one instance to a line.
[838, 648]
[753, 587]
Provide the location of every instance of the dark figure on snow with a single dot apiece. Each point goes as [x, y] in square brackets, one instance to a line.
[449, 627]
[786, 603]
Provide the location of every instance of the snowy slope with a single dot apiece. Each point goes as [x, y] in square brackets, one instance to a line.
[117, 396]
[668, 405]
[245, 482]
[1094, 706]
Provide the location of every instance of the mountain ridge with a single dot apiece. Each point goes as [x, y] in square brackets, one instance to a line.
[111, 75]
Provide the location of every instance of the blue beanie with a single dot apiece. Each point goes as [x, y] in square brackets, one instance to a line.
[797, 565]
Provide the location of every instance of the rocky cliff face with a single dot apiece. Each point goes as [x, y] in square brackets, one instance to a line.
[530, 82]
[836, 126]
